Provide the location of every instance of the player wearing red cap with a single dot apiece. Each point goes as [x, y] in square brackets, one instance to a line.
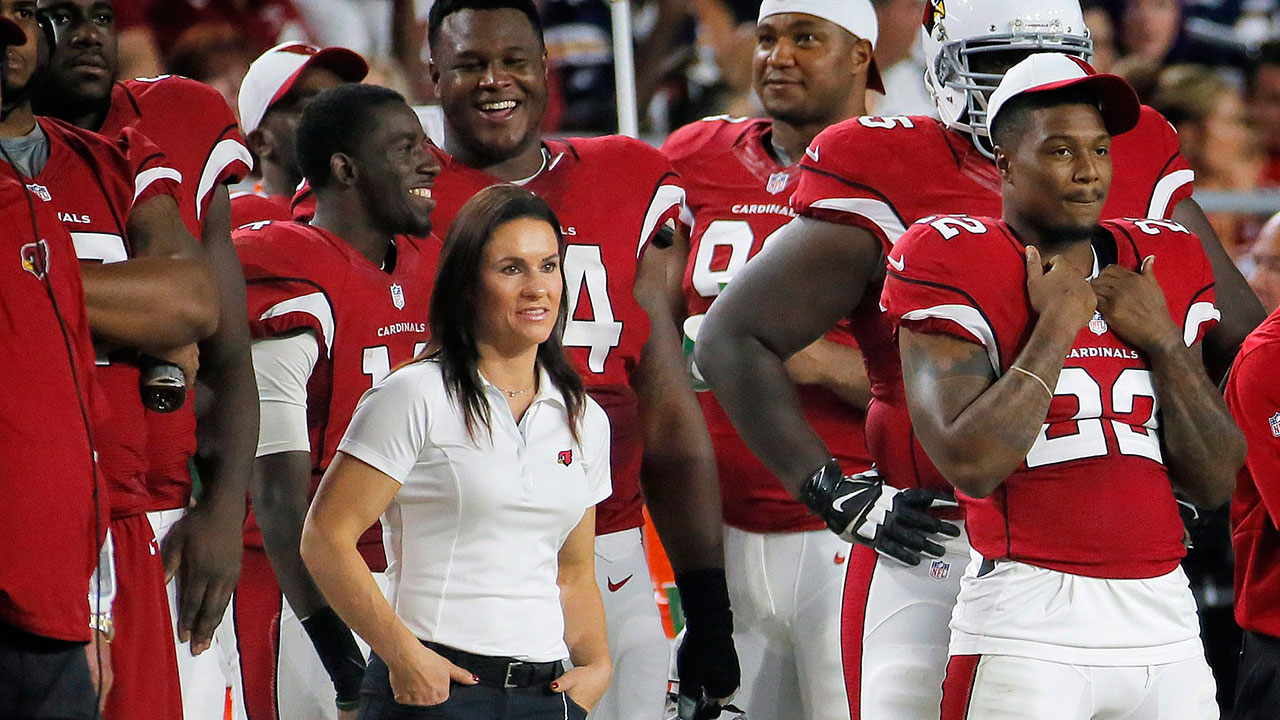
[1074, 605]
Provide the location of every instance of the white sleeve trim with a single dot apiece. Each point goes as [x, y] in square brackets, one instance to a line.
[283, 366]
[147, 177]
[969, 319]
[664, 199]
[224, 153]
[876, 211]
[1198, 314]
[316, 305]
[1164, 191]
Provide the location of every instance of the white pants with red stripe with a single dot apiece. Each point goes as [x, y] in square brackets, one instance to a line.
[786, 590]
[1005, 687]
[638, 645]
[896, 629]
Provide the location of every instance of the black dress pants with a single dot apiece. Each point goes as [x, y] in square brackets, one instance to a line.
[466, 702]
[44, 679]
[1258, 683]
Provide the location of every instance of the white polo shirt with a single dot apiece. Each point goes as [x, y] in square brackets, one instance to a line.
[473, 536]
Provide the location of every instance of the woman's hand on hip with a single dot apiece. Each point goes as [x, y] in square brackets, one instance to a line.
[585, 684]
[422, 677]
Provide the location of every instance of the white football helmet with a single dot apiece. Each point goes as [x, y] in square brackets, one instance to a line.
[955, 32]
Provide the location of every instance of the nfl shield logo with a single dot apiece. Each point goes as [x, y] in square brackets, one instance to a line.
[777, 182]
[1275, 425]
[41, 192]
[939, 569]
[1097, 325]
[397, 296]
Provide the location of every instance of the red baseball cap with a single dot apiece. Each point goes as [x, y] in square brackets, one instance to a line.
[1045, 71]
[274, 73]
[11, 33]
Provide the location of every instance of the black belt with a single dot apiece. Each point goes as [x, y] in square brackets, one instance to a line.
[503, 672]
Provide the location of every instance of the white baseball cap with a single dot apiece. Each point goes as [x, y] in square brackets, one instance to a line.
[274, 73]
[1042, 72]
[858, 17]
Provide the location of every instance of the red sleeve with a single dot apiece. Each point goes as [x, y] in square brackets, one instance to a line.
[959, 276]
[248, 208]
[229, 160]
[648, 167]
[1156, 177]
[831, 186]
[281, 296]
[152, 173]
[1253, 397]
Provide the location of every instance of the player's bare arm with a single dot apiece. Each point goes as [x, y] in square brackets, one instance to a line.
[204, 547]
[678, 470]
[181, 294]
[281, 489]
[1241, 311]
[1201, 445]
[813, 274]
[349, 500]
[978, 428]
[838, 368]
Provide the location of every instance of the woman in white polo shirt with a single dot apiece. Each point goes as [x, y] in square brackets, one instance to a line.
[485, 460]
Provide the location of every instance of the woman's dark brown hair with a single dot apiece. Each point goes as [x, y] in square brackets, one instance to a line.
[455, 304]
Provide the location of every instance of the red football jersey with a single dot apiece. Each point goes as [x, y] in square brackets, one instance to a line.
[195, 128]
[47, 480]
[737, 196]
[1254, 398]
[1093, 496]
[611, 195]
[257, 206]
[884, 173]
[92, 185]
[365, 319]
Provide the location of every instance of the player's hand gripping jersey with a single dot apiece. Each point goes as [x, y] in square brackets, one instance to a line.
[884, 173]
[1093, 496]
[365, 320]
[195, 128]
[737, 197]
[93, 183]
[611, 195]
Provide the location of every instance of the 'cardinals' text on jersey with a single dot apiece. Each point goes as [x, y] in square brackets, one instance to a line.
[737, 197]
[366, 321]
[92, 184]
[1093, 496]
[611, 195]
[195, 128]
[884, 173]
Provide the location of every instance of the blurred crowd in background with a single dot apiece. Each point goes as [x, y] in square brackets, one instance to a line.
[1211, 66]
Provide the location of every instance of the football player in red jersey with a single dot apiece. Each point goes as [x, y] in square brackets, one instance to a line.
[275, 91]
[613, 195]
[862, 182]
[196, 130]
[333, 306]
[812, 66]
[1053, 371]
[116, 199]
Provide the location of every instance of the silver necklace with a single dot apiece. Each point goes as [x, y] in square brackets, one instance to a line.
[513, 393]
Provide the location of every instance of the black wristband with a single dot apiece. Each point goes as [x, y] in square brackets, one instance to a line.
[817, 490]
[704, 597]
[339, 653]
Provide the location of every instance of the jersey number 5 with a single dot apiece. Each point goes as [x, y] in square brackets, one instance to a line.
[1089, 440]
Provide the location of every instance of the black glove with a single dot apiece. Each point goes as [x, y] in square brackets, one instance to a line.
[339, 654]
[863, 509]
[706, 662]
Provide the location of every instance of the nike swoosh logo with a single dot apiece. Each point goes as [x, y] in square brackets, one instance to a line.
[615, 587]
[812, 152]
[898, 264]
[838, 503]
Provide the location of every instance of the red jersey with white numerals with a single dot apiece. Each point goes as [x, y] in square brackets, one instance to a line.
[92, 183]
[1093, 496]
[365, 320]
[611, 195]
[737, 196]
[884, 173]
[197, 131]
